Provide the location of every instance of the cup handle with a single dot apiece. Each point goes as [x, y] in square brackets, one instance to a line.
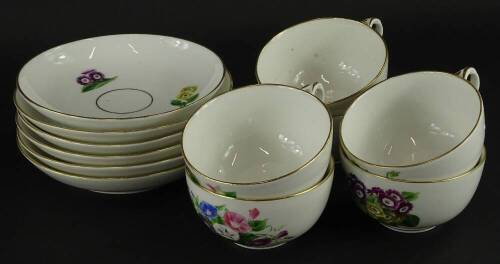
[375, 24]
[470, 74]
[315, 89]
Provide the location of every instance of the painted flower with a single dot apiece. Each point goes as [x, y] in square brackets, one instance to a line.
[208, 210]
[375, 210]
[404, 207]
[96, 76]
[282, 233]
[395, 195]
[212, 188]
[376, 191]
[253, 213]
[236, 222]
[260, 242]
[226, 232]
[388, 201]
[359, 190]
[391, 218]
[84, 80]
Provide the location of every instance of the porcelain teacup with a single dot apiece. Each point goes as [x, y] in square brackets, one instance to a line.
[261, 223]
[259, 141]
[345, 56]
[417, 126]
[412, 206]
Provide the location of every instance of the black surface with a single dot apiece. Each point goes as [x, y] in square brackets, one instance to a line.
[44, 221]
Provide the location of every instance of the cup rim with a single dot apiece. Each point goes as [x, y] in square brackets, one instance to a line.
[34, 128]
[480, 162]
[330, 173]
[70, 175]
[258, 86]
[481, 111]
[208, 95]
[20, 131]
[120, 131]
[370, 84]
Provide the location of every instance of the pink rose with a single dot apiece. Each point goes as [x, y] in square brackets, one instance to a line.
[236, 222]
[253, 213]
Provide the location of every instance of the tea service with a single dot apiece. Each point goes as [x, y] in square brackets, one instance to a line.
[128, 113]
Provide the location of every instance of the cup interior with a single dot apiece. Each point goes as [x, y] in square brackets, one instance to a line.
[411, 119]
[344, 55]
[256, 133]
[121, 76]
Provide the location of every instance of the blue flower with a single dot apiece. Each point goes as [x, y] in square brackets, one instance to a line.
[208, 210]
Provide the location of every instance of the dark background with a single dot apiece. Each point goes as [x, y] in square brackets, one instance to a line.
[43, 221]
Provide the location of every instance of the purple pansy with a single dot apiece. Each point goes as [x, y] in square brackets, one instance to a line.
[404, 207]
[376, 191]
[261, 242]
[388, 201]
[282, 233]
[96, 76]
[84, 80]
[359, 190]
[394, 195]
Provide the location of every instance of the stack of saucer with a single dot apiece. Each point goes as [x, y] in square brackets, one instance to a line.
[107, 114]
[259, 166]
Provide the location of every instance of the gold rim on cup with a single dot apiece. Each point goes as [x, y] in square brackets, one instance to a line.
[330, 172]
[481, 110]
[257, 86]
[370, 84]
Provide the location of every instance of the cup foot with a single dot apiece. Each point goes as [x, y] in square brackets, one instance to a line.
[409, 230]
[124, 192]
[260, 248]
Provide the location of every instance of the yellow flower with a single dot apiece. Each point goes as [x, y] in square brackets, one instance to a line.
[375, 211]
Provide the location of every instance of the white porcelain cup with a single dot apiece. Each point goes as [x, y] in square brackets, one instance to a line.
[121, 82]
[261, 223]
[417, 126]
[412, 206]
[345, 56]
[259, 141]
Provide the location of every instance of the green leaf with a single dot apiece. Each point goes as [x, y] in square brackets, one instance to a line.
[410, 196]
[193, 178]
[230, 194]
[97, 84]
[392, 174]
[178, 103]
[371, 199]
[411, 221]
[245, 238]
[258, 225]
[220, 207]
[190, 99]
[218, 220]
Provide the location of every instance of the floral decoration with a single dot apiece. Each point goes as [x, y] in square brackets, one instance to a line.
[92, 79]
[213, 188]
[185, 96]
[248, 229]
[389, 206]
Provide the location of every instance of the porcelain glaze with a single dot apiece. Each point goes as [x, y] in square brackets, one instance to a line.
[343, 55]
[422, 125]
[100, 171]
[261, 224]
[108, 137]
[110, 185]
[99, 160]
[101, 149]
[101, 83]
[254, 141]
[411, 207]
